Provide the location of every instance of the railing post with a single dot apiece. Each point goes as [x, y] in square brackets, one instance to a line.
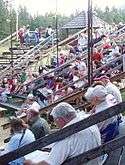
[90, 44]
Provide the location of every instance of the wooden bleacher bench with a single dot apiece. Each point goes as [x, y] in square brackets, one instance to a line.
[72, 98]
[17, 96]
[108, 148]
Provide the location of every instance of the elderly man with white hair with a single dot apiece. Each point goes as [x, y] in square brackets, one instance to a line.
[64, 115]
[111, 88]
[100, 99]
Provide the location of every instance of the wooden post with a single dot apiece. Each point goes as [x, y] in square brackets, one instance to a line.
[67, 33]
[89, 42]
[57, 44]
[91, 45]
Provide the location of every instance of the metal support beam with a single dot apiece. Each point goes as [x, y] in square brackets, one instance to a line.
[11, 39]
[57, 36]
[90, 44]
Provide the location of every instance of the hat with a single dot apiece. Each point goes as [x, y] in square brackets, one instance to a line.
[101, 77]
[35, 107]
[30, 96]
[99, 91]
[88, 94]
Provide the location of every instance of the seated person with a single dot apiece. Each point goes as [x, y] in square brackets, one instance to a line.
[100, 100]
[29, 103]
[64, 115]
[20, 136]
[38, 125]
[44, 95]
[5, 92]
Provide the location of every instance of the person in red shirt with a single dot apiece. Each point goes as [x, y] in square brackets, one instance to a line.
[97, 57]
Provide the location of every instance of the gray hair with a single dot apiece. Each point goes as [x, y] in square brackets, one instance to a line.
[99, 91]
[63, 110]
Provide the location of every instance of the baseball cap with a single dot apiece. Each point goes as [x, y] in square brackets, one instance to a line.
[35, 107]
[30, 96]
[101, 77]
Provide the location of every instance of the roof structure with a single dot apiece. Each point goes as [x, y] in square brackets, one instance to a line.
[81, 21]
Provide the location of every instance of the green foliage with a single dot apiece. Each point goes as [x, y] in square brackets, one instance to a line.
[24, 16]
[112, 15]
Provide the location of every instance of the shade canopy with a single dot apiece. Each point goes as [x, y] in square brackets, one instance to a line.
[81, 21]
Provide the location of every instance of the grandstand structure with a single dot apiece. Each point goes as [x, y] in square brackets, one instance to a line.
[26, 58]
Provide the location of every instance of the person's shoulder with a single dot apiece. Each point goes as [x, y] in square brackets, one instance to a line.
[29, 132]
[30, 135]
[15, 136]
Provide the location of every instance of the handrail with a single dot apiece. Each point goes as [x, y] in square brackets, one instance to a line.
[7, 38]
[62, 42]
[106, 148]
[63, 133]
[63, 64]
[72, 96]
[77, 94]
[27, 55]
[35, 48]
[95, 71]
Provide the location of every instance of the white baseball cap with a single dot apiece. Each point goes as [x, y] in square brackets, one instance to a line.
[35, 107]
[30, 96]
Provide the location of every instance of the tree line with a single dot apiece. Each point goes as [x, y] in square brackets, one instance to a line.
[113, 15]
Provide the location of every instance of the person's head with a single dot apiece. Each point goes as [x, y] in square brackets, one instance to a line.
[5, 80]
[75, 70]
[30, 98]
[95, 50]
[59, 80]
[17, 125]
[33, 112]
[78, 59]
[37, 29]
[103, 78]
[28, 27]
[63, 113]
[96, 95]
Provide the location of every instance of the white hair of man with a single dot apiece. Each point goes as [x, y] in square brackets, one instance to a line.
[63, 110]
[98, 91]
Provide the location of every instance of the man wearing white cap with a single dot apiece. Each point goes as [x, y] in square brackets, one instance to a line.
[98, 96]
[30, 103]
[64, 115]
[111, 88]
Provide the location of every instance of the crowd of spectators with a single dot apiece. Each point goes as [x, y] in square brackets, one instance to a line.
[101, 95]
[29, 38]
[63, 82]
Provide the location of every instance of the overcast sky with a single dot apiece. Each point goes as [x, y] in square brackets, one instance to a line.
[65, 6]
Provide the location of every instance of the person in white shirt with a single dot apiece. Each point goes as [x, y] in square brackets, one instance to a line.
[100, 100]
[64, 115]
[81, 65]
[115, 50]
[111, 88]
[20, 136]
[30, 103]
[49, 31]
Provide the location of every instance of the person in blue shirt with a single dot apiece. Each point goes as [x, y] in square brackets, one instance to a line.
[20, 136]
